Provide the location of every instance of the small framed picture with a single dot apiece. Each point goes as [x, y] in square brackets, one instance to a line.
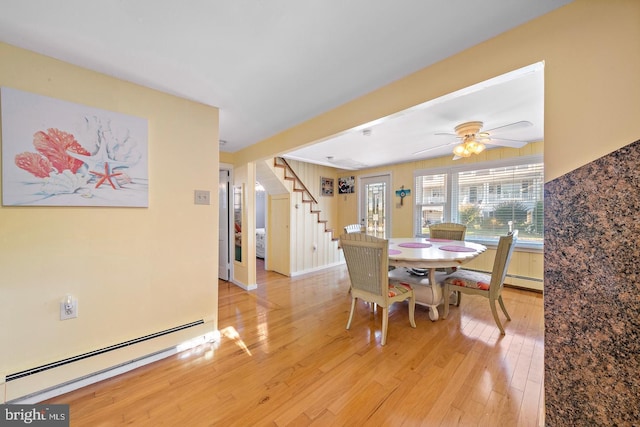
[346, 184]
[326, 186]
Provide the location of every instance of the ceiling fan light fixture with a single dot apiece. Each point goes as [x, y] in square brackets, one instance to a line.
[479, 148]
[471, 145]
[472, 139]
[468, 147]
[468, 128]
[460, 150]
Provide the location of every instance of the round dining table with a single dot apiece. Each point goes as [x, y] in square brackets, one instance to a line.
[431, 254]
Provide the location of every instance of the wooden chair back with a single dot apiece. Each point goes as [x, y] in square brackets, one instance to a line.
[448, 230]
[367, 260]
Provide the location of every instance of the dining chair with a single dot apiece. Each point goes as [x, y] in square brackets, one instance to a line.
[353, 228]
[367, 260]
[448, 230]
[486, 285]
[443, 230]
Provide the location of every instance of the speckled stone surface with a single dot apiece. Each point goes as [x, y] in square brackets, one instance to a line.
[592, 293]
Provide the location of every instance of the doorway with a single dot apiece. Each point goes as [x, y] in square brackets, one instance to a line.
[224, 226]
[375, 205]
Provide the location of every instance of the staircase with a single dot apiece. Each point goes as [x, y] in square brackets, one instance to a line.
[307, 197]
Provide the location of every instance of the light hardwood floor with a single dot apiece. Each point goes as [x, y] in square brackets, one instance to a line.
[285, 359]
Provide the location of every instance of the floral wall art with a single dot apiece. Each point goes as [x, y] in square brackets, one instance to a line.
[57, 153]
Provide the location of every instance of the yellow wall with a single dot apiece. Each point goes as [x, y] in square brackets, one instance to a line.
[135, 271]
[244, 271]
[403, 174]
[226, 157]
[143, 270]
[590, 49]
[525, 264]
[312, 242]
[592, 63]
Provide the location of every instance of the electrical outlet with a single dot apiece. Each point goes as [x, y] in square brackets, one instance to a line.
[68, 308]
[202, 197]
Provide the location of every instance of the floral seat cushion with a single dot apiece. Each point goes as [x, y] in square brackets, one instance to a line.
[420, 284]
[469, 279]
[396, 289]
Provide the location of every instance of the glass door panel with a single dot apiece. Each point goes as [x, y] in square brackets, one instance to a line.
[375, 205]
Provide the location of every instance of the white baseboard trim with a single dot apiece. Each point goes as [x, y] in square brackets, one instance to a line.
[94, 377]
[320, 268]
[244, 286]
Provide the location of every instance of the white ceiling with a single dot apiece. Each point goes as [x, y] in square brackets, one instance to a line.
[417, 133]
[269, 65]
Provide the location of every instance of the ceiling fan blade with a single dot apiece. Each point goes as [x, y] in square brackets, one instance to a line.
[434, 148]
[500, 142]
[446, 134]
[511, 126]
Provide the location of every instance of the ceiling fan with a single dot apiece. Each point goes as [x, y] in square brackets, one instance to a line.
[469, 139]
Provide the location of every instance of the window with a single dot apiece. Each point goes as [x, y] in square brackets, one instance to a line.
[431, 196]
[490, 199]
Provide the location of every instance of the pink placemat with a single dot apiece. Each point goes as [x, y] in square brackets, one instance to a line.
[439, 240]
[453, 248]
[394, 252]
[414, 245]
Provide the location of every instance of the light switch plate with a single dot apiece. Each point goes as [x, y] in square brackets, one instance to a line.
[202, 197]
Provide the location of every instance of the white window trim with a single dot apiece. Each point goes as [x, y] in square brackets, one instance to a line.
[454, 169]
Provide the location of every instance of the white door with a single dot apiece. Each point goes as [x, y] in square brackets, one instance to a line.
[224, 252]
[375, 205]
[280, 234]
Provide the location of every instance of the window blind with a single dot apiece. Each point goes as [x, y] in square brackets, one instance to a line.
[491, 199]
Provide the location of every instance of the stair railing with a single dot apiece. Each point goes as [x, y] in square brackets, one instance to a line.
[297, 179]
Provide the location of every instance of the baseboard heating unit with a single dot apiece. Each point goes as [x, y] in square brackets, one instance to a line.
[109, 372]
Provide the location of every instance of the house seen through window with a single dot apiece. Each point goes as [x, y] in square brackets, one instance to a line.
[490, 198]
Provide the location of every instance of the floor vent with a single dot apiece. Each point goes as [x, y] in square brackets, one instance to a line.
[52, 365]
